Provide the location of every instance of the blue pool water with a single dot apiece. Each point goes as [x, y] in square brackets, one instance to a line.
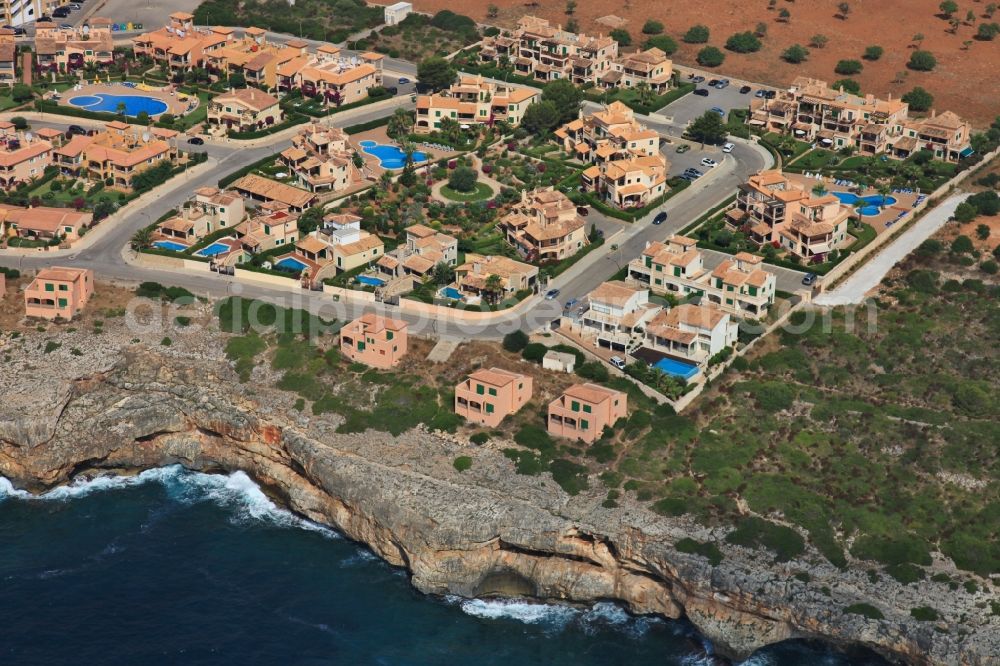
[677, 368]
[170, 245]
[134, 104]
[213, 249]
[867, 205]
[390, 157]
[291, 264]
[452, 293]
[371, 281]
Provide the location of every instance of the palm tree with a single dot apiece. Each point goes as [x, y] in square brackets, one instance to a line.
[493, 286]
[884, 190]
[141, 238]
[644, 93]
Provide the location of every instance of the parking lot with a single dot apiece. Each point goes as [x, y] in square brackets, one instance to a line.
[689, 107]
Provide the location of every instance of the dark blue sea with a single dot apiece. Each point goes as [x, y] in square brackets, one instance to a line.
[176, 567]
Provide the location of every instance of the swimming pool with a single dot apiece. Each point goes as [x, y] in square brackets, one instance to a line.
[452, 293]
[371, 281]
[677, 368]
[291, 264]
[390, 157]
[213, 250]
[134, 104]
[867, 205]
[170, 245]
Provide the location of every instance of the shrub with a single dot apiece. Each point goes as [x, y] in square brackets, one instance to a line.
[479, 438]
[919, 99]
[708, 550]
[922, 61]
[783, 541]
[462, 179]
[965, 213]
[593, 370]
[743, 42]
[534, 352]
[710, 57]
[515, 341]
[795, 54]
[462, 463]
[924, 282]
[989, 267]
[621, 36]
[873, 53]
[924, 614]
[696, 34]
[962, 244]
[987, 31]
[571, 476]
[670, 506]
[865, 610]
[665, 43]
[19, 122]
[651, 27]
[848, 67]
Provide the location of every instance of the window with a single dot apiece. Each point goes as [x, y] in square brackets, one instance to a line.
[361, 346]
[493, 391]
[49, 286]
[64, 287]
[388, 335]
[480, 389]
[574, 405]
[489, 408]
[587, 409]
[584, 424]
[62, 302]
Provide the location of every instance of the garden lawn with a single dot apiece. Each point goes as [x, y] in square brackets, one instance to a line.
[482, 192]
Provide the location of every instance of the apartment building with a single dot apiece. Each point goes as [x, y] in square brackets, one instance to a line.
[693, 332]
[546, 52]
[616, 314]
[263, 189]
[270, 228]
[494, 276]
[651, 67]
[209, 210]
[739, 286]
[180, 45]
[771, 208]
[116, 155]
[58, 293]
[544, 226]
[43, 222]
[252, 56]
[335, 78]
[474, 101]
[376, 341]
[69, 49]
[24, 156]
[8, 57]
[424, 249]
[322, 159]
[583, 411]
[21, 12]
[244, 110]
[633, 182]
[489, 396]
[810, 110]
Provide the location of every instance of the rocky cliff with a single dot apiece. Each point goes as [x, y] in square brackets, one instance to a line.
[484, 531]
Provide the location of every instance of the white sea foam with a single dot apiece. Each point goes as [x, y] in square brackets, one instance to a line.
[758, 660]
[235, 491]
[530, 613]
[606, 614]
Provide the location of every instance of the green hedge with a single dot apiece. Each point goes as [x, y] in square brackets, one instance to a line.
[364, 127]
[225, 181]
[634, 214]
[337, 109]
[289, 121]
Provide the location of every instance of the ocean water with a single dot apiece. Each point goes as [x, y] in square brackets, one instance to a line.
[176, 567]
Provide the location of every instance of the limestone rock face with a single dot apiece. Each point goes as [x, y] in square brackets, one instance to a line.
[487, 531]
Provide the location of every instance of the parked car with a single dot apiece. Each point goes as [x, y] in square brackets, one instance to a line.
[701, 92]
[402, 80]
[551, 294]
[582, 211]
[75, 6]
[683, 148]
[770, 94]
[722, 84]
[618, 362]
[686, 176]
[66, 26]
[808, 279]
[713, 82]
[698, 79]
[728, 148]
[196, 141]
[60, 12]
[709, 162]
[760, 93]
[393, 90]
[660, 218]
[570, 303]
[745, 89]
[75, 129]
[719, 111]
[694, 173]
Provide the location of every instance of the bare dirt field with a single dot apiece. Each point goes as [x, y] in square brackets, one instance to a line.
[963, 81]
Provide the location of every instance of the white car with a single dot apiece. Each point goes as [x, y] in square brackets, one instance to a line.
[618, 362]
[728, 148]
[709, 162]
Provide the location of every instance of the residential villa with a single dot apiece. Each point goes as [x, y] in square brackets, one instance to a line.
[544, 226]
[615, 316]
[692, 332]
[271, 227]
[243, 110]
[8, 57]
[117, 154]
[424, 249]
[67, 49]
[376, 341]
[489, 396]
[771, 208]
[651, 68]
[627, 168]
[739, 286]
[511, 276]
[583, 411]
[546, 53]
[180, 45]
[253, 57]
[23, 157]
[336, 79]
[474, 101]
[322, 159]
[812, 111]
[43, 222]
[341, 244]
[263, 189]
[209, 210]
[58, 293]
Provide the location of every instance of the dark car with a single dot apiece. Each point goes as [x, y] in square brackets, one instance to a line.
[582, 210]
[393, 90]
[196, 141]
[808, 279]
[698, 79]
[75, 129]
[770, 94]
[701, 92]
[713, 82]
[660, 218]
[60, 12]
[745, 89]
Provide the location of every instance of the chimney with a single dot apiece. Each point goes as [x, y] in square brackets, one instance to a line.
[933, 112]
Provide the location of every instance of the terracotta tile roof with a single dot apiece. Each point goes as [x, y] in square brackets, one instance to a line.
[591, 393]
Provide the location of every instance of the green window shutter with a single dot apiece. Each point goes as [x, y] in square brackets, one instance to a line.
[480, 389]
[753, 291]
[361, 346]
[62, 302]
[388, 335]
[587, 409]
[584, 424]
[493, 391]
[49, 286]
[649, 262]
[575, 406]
[677, 271]
[64, 287]
[489, 408]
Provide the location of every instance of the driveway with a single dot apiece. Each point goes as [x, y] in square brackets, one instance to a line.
[786, 279]
[853, 289]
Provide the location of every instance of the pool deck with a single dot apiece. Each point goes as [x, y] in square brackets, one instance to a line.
[373, 166]
[905, 201]
[174, 104]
